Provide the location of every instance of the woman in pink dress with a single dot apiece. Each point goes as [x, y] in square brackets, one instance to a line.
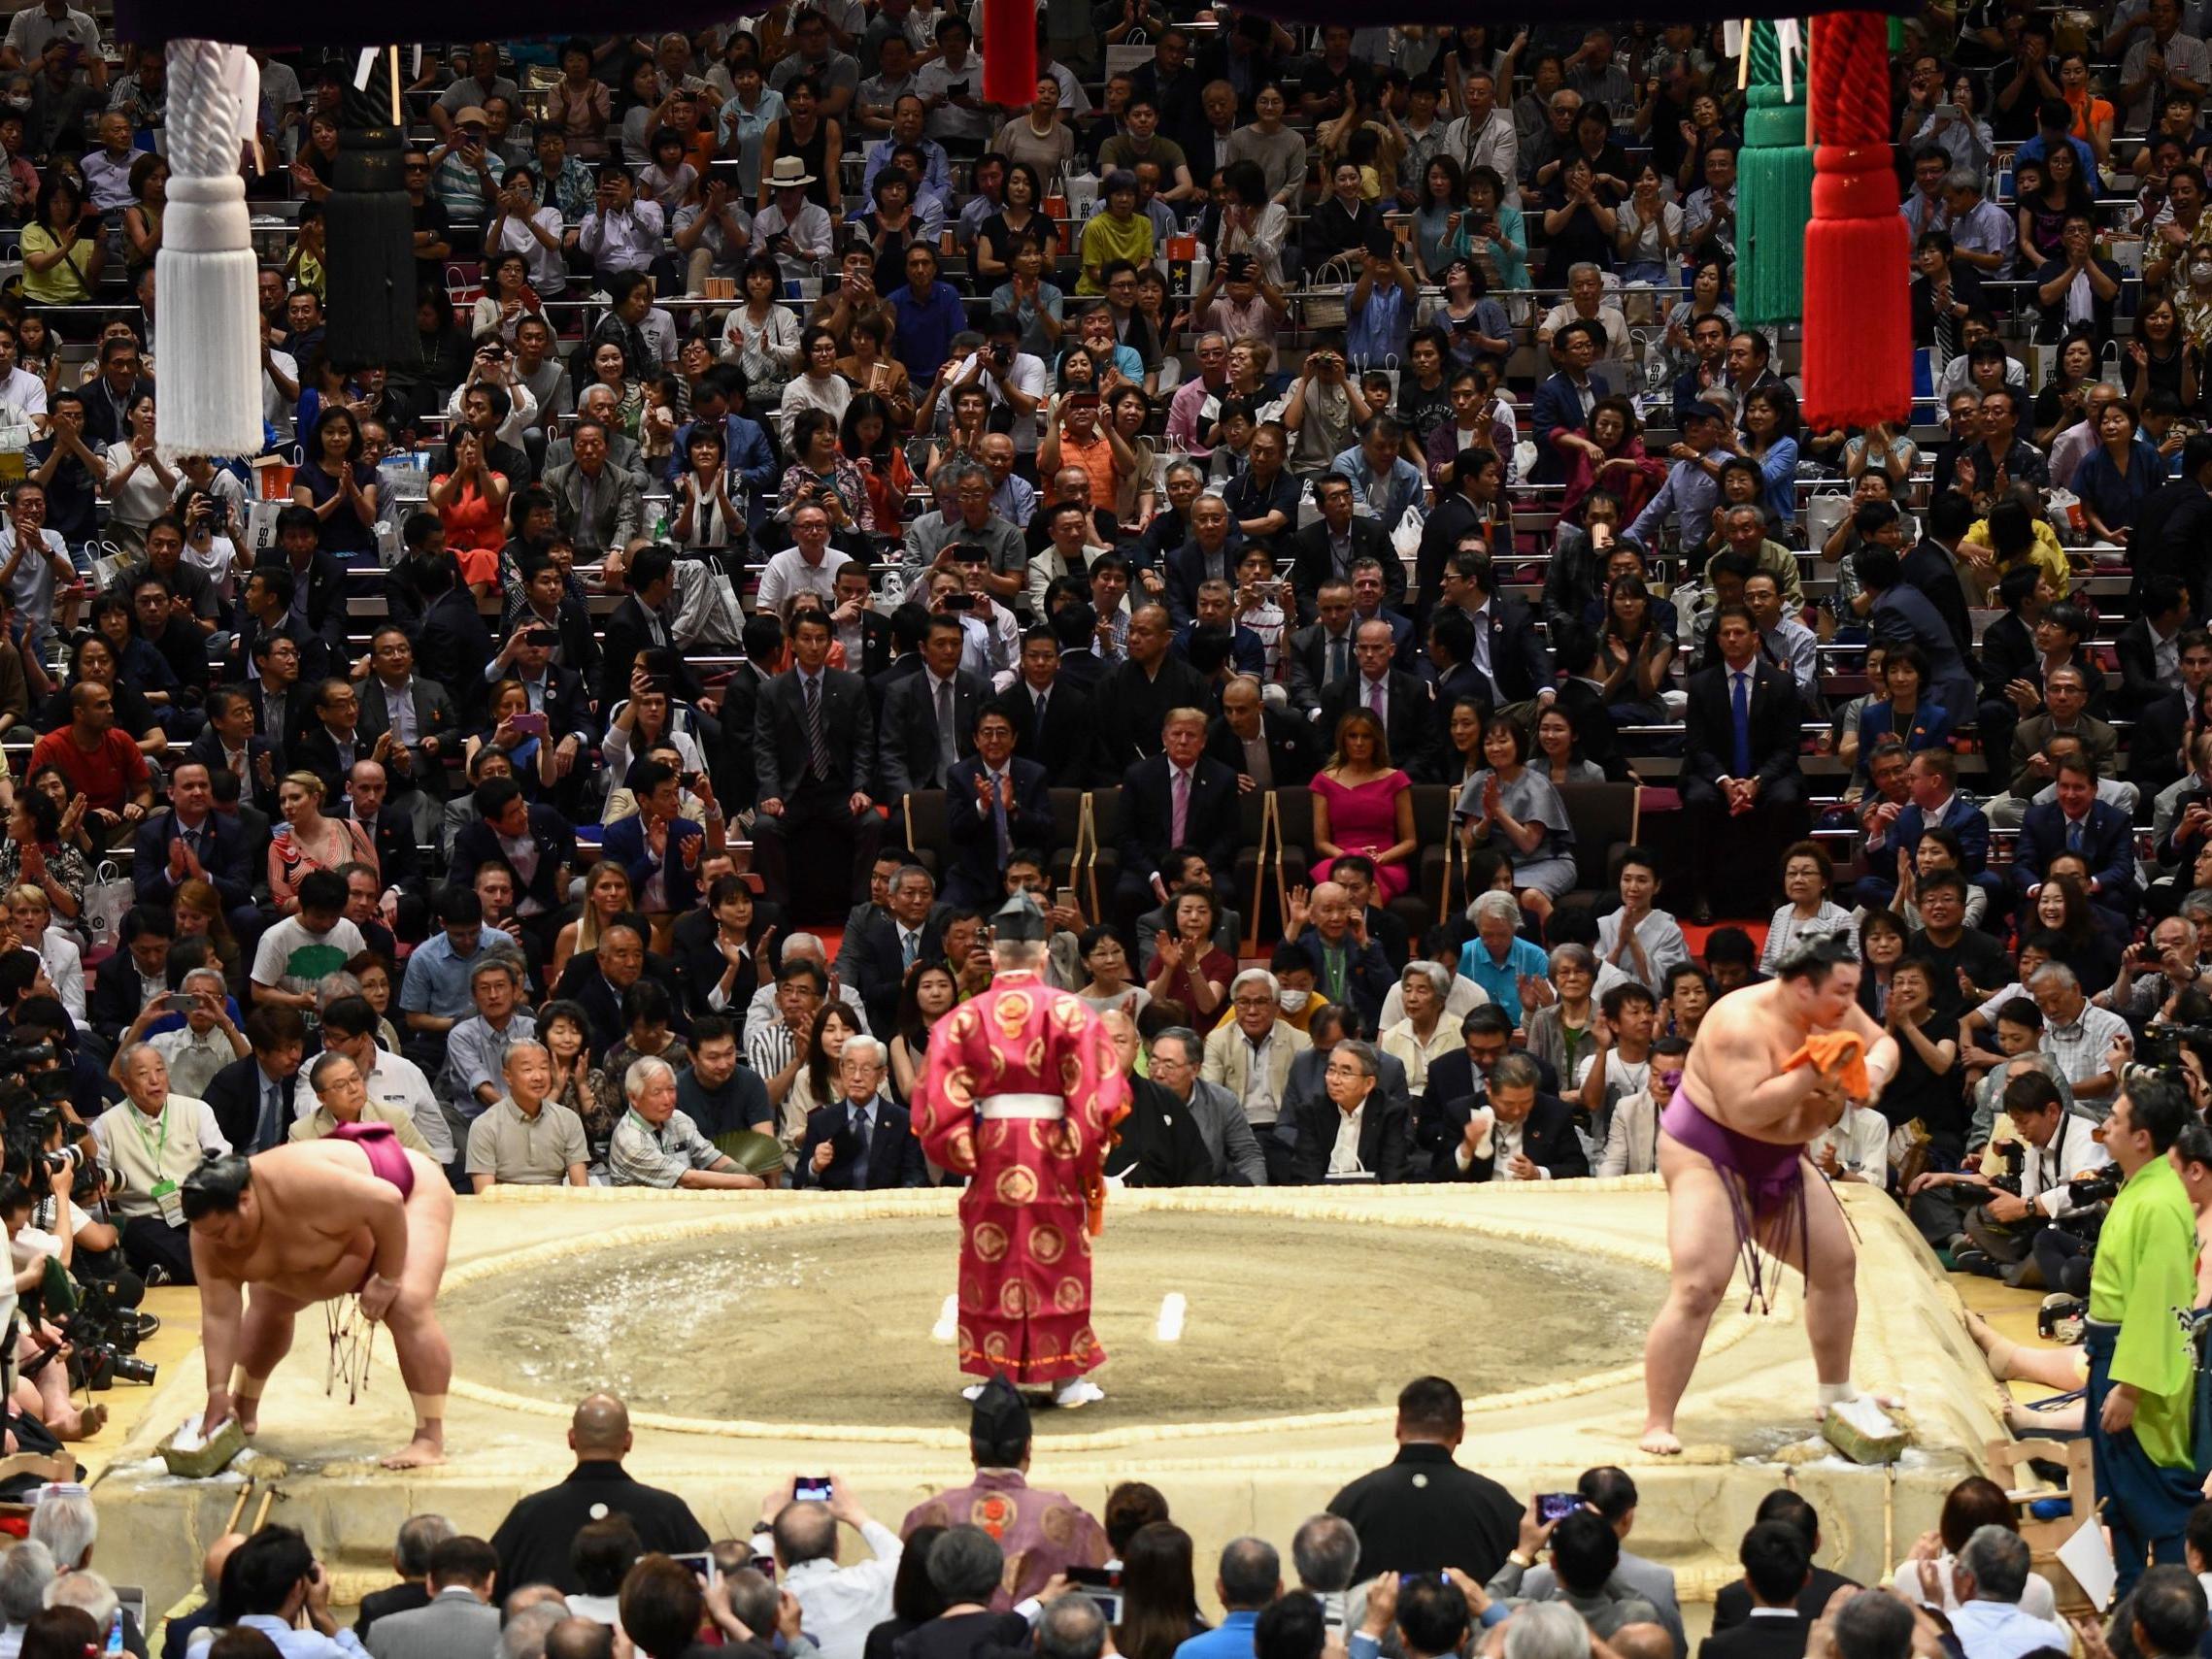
[1364, 803]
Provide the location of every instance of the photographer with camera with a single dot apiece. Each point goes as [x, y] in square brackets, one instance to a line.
[2004, 1235]
[2142, 1375]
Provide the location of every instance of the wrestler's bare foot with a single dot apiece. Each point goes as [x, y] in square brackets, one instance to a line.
[249, 1415]
[1996, 1350]
[424, 1449]
[90, 1422]
[1661, 1443]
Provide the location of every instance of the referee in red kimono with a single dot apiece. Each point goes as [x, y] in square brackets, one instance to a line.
[1021, 1094]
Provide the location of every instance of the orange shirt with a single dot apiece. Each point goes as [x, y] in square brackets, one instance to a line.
[1095, 458]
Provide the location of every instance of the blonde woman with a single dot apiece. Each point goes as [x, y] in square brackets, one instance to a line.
[307, 841]
[606, 895]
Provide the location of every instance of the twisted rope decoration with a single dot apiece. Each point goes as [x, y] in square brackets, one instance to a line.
[1858, 322]
[206, 274]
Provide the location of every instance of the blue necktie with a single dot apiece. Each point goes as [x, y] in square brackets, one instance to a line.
[867, 1131]
[1739, 705]
[2074, 836]
[270, 1131]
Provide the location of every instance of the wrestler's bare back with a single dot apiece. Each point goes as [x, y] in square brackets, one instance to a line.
[319, 1201]
[1735, 1076]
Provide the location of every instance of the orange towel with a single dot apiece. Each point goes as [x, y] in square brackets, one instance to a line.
[1840, 1055]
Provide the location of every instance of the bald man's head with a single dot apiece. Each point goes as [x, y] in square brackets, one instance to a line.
[1643, 1641]
[600, 1430]
[585, 1639]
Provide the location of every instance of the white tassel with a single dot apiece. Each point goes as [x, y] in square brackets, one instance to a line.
[206, 276]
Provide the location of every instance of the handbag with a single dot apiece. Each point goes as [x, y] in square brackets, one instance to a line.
[1330, 286]
[108, 897]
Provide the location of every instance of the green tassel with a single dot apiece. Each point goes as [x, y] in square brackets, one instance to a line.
[1774, 192]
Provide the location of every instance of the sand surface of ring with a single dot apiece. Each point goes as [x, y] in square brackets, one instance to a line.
[832, 1322]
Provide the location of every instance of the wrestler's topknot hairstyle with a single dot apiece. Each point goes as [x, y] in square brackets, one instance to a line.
[216, 1187]
[1816, 958]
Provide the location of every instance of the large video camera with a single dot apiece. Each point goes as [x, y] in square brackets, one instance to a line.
[2161, 1044]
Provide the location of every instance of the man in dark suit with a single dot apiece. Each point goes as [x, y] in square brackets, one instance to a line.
[1739, 765]
[282, 707]
[300, 556]
[548, 603]
[640, 623]
[1350, 1081]
[864, 1142]
[2008, 651]
[1178, 798]
[1133, 700]
[536, 1541]
[129, 980]
[1508, 651]
[1421, 1513]
[914, 747]
[993, 803]
[597, 981]
[2077, 822]
[1408, 726]
[1447, 664]
[2172, 529]
[864, 632]
[1054, 721]
[505, 817]
[264, 607]
[2153, 749]
[331, 742]
[418, 714]
[231, 741]
[1320, 654]
[1518, 1134]
[1581, 695]
[814, 755]
[1562, 403]
[1457, 513]
[418, 1535]
[1265, 748]
[762, 639]
[1777, 1571]
[1340, 538]
[891, 940]
[2149, 647]
[1933, 779]
[453, 644]
[1902, 615]
[391, 828]
[1217, 617]
[1210, 553]
[1732, 1602]
[191, 841]
[1932, 565]
[253, 1099]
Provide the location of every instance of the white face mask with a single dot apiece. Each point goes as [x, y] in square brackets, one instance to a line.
[1294, 1002]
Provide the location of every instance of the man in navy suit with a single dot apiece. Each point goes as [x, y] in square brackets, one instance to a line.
[993, 803]
[1519, 1134]
[1177, 798]
[656, 844]
[2077, 822]
[1933, 779]
[1507, 649]
[1739, 765]
[192, 841]
[1900, 614]
[1327, 549]
[1211, 552]
[505, 819]
[892, 940]
[917, 749]
[1563, 403]
[1216, 611]
[863, 1143]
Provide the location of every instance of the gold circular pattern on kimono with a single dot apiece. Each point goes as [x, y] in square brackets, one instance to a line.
[1070, 1015]
[1033, 1056]
[996, 1131]
[964, 1019]
[1048, 1243]
[960, 1088]
[962, 1146]
[998, 1348]
[1071, 1072]
[963, 1342]
[1083, 1346]
[992, 1512]
[1016, 1300]
[989, 1241]
[1070, 1294]
[1017, 1185]
[1010, 1011]
[1058, 1524]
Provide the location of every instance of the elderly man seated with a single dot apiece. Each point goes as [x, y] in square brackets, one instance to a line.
[1250, 1056]
[1350, 968]
[1989, 1576]
[342, 1095]
[656, 1145]
[1237, 1155]
[863, 1140]
[1356, 1132]
[523, 1138]
[1520, 1135]
[1510, 971]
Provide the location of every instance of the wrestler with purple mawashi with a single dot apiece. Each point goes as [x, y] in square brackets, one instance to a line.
[1731, 1150]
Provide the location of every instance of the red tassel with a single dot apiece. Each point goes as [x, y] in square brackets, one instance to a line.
[1010, 52]
[1858, 357]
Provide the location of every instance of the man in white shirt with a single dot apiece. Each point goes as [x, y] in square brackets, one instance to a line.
[395, 1084]
[839, 1605]
[622, 231]
[1990, 1576]
[19, 388]
[2053, 1148]
[811, 566]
